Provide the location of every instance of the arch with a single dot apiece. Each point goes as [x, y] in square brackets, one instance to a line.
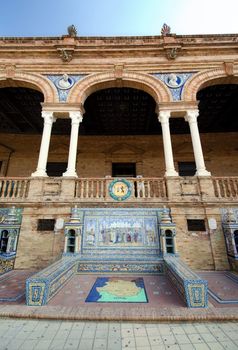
[33, 81]
[99, 81]
[204, 79]
[236, 240]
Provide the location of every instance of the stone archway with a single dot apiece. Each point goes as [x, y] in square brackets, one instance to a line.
[141, 81]
[12, 78]
[206, 78]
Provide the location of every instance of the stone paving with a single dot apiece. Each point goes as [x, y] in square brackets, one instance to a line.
[164, 304]
[57, 335]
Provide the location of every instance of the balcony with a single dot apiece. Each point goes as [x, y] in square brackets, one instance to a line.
[142, 190]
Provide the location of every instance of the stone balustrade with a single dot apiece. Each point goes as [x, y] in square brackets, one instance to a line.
[225, 187]
[14, 188]
[142, 188]
[150, 190]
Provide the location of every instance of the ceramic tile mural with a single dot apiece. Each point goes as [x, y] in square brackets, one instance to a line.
[121, 229]
[118, 290]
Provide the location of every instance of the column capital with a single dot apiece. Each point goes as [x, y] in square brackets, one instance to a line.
[48, 117]
[76, 117]
[164, 116]
[191, 115]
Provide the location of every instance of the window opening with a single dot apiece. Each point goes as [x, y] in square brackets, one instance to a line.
[71, 242]
[4, 241]
[124, 169]
[236, 240]
[56, 168]
[187, 168]
[196, 225]
[169, 242]
[46, 225]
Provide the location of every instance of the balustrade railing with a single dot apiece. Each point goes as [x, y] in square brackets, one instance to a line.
[97, 188]
[225, 187]
[14, 187]
[93, 189]
[90, 188]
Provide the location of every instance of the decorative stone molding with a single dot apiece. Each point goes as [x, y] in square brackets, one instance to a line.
[118, 71]
[203, 79]
[229, 68]
[172, 52]
[10, 71]
[66, 55]
[31, 80]
[141, 81]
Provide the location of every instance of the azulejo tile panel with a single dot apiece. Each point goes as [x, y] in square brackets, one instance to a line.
[45, 284]
[189, 285]
[175, 82]
[63, 90]
[120, 229]
[121, 267]
[118, 290]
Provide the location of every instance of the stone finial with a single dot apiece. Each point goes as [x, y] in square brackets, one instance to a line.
[75, 215]
[165, 217]
[230, 216]
[12, 216]
[72, 31]
[165, 30]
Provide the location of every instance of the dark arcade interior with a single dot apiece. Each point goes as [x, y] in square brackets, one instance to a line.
[119, 111]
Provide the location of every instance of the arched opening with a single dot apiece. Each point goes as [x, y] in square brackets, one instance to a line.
[236, 240]
[21, 128]
[4, 241]
[71, 241]
[169, 242]
[218, 108]
[120, 111]
[119, 126]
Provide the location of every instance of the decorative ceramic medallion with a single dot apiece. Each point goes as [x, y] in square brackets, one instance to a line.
[120, 189]
[173, 81]
[64, 82]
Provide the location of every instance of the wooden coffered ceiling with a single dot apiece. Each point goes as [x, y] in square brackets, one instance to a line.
[119, 111]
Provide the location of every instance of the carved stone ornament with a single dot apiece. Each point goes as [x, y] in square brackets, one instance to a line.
[72, 31]
[165, 30]
[229, 68]
[172, 53]
[66, 55]
[10, 71]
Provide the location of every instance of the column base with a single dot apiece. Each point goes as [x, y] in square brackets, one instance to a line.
[203, 172]
[70, 173]
[171, 173]
[39, 173]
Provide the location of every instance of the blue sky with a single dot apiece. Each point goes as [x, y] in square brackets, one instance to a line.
[117, 17]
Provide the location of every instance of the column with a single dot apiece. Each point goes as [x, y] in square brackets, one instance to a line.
[168, 153]
[76, 119]
[45, 143]
[191, 118]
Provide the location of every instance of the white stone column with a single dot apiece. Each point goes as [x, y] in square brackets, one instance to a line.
[168, 153]
[45, 144]
[76, 119]
[191, 118]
